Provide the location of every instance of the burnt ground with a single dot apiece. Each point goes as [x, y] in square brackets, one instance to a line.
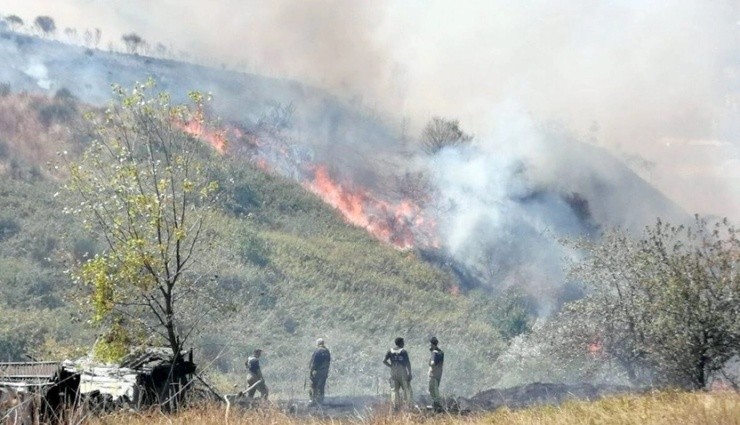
[540, 394]
[333, 407]
[485, 401]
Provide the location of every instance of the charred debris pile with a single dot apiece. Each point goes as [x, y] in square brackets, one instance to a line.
[45, 391]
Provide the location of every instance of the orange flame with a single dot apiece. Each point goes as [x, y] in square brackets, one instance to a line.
[595, 348]
[215, 138]
[392, 223]
[396, 223]
[262, 164]
[351, 205]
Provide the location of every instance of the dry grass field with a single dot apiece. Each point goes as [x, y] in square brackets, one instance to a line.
[664, 408]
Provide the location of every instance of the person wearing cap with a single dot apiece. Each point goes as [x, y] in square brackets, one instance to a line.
[318, 372]
[255, 381]
[398, 360]
[436, 363]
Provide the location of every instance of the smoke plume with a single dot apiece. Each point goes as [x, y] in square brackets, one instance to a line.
[503, 206]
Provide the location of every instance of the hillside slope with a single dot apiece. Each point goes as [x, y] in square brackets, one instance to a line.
[301, 271]
[359, 145]
[298, 272]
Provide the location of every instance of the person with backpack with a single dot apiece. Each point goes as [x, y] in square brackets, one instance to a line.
[397, 359]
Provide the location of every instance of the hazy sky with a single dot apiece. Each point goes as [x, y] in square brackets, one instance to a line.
[646, 78]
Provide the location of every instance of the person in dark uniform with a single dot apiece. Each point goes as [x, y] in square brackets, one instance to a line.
[398, 360]
[319, 371]
[436, 363]
[255, 381]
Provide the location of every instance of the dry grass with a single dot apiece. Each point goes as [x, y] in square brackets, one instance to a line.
[27, 138]
[653, 409]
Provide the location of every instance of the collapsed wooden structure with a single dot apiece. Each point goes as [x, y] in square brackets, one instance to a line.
[33, 392]
[36, 392]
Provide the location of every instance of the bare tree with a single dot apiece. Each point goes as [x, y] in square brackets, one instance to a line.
[45, 25]
[92, 37]
[133, 42]
[14, 21]
[87, 38]
[440, 133]
[161, 50]
[640, 165]
[71, 34]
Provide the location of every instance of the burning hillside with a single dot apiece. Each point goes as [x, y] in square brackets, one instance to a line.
[217, 139]
[493, 216]
[395, 223]
[401, 224]
[493, 210]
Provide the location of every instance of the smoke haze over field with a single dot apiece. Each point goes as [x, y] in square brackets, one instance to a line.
[656, 82]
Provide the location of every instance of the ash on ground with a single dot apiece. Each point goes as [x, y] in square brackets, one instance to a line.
[363, 407]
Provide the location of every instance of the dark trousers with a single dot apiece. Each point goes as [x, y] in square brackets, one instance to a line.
[261, 387]
[318, 383]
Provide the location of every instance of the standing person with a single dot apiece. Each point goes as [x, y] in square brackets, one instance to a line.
[436, 363]
[318, 372]
[398, 360]
[255, 381]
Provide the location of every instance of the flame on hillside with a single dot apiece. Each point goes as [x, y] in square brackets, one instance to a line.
[393, 223]
[215, 138]
[595, 348]
[401, 224]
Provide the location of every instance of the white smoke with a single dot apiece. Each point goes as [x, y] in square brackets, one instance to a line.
[505, 202]
[476, 183]
[37, 70]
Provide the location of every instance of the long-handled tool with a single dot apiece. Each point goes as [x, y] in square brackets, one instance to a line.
[251, 387]
[239, 394]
